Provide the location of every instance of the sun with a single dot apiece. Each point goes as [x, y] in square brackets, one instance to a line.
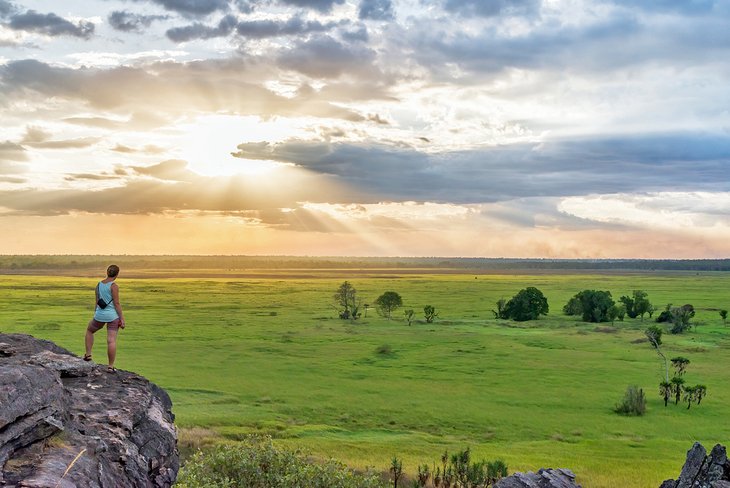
[207, 143]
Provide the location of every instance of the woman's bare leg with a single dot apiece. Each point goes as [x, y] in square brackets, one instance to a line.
[111, 344]
[89, 339]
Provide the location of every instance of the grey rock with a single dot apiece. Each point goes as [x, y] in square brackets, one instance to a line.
[112, 429]
[703, 471]
[544, 478]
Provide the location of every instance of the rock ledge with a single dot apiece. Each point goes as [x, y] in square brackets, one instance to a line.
[55, 407]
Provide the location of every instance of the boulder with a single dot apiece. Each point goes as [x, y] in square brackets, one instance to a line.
[544, 478]
[701, 470]
[67, 423]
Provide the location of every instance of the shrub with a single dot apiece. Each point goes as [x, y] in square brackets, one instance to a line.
[384, 349]
[528, 304]
[634, 402]
[258, 464]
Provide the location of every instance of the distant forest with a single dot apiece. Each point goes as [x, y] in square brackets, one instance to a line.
[10, 263]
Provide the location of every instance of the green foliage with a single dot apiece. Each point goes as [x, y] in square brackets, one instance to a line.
[677, 388]
[595, 305]
[459, 471]
[429, 313]
[528, 304]
[346, 298]
[256, 463]
[384, 350]
[573, 307]
[654, 334]
[680, 318]
[665, 390]
[388, 302]
[633, 403]
[642, 305]
[409, 314]
[629, 304]
[680, 365]
[396, 470]
[723, 316]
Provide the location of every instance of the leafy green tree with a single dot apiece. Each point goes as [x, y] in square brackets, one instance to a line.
[430, 313]
[665, 390]
[621, 311]
[595, 305]
[654, 334]
[612, 313]
[346, 299]
[629, 303]
[680, 318]
[677, 388]
[651, 310]
[409, 315]
[723, 316]
[573, 307]
[528, 304]
[641, 303]
[388, 302]
[501, 312]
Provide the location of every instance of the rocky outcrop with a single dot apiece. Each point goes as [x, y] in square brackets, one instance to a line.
[68, 423]
[544, 478]
[703, 471]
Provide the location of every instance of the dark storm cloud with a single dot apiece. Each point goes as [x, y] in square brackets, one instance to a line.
[493, 8]
[125, 21]
[201, 31]
[320, 5]
[50, 25]
[376, 10]
[551, 169]
[324, 57]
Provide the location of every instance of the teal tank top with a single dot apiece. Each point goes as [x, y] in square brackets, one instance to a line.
[109, 313]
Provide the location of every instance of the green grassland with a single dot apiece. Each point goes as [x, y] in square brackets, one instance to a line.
[267, 354]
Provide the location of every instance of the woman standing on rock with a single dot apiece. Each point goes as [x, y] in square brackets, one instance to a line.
[108, 312]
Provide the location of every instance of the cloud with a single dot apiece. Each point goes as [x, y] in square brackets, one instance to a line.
[10, 151]
[551, 169]
[376, 10]
[324, 57]
[6, 8]
[172, 170]
[38, 138]
[125, 21]
[172, 88]
[193, 8]
[11, 179]
[148, 149]
[91, 177]
[319, 5]
[201, 31]
[493, 8]
[50, 25]
[687, 7]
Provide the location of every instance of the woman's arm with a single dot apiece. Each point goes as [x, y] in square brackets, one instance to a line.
[117, 305]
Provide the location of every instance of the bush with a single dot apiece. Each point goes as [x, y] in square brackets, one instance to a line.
[634, 402]
[528, 304]
[258, 464]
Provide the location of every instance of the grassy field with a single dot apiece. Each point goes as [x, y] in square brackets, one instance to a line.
[267, 354]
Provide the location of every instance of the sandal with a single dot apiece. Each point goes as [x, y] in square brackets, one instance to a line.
[111, 369]
[87, 357]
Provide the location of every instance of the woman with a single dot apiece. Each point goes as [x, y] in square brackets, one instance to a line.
[108, 312]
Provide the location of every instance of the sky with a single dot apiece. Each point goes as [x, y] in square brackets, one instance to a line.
[494, 128]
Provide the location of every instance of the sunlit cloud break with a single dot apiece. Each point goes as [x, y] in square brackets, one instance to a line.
[366, 127]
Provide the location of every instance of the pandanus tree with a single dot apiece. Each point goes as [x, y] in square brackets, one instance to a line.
[665, 390]
[677, 388]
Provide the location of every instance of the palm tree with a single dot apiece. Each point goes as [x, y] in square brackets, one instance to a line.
[665, 390]
[690, 393]
[700, 393]
[677, 387]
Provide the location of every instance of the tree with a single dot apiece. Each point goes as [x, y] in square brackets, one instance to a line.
[528, 304]
[612, 313]
[651, 310]
[388, 302]
[501, 312]
[690, 393]
[680, 365]
[573, 307]
[665, 390]
[723, 316]
[641, 303]
[677, 388]
[654, 334]
[346, 298]
[595, 305]
[700, 393]
[621, 311]
[409, 315]
[430, 313]
[396, 467]
[629, 302]
[680, 317]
